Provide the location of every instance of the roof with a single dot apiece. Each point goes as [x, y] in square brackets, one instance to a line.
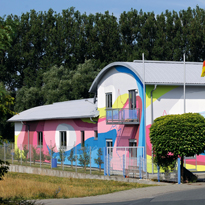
[159, 72]
[84, 108]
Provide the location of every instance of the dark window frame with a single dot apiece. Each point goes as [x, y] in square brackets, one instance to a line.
[132, 99]
[95, 134]
[108, 100]
[82, 138]
[63, 138]
[40, 138]
[133, 151]
[110, 143]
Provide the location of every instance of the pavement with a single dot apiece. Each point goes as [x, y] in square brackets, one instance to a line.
[141, 195]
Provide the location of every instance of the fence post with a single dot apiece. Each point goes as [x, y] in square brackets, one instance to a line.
[125, 157]
[105, 162]
[124, 165]
[179, 171]
[76, 158]
[40, 154]
[4, 152]
[63, 157]
[140, 167]
[108, 164]
[90, 160]
[21, 152]
[12, 156]
[30, 154]
[158, 173]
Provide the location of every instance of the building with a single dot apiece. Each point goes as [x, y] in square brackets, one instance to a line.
[129, 96]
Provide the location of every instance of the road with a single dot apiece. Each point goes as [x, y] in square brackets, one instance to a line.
[165, 194]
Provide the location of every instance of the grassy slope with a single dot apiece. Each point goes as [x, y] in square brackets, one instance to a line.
[30, 186]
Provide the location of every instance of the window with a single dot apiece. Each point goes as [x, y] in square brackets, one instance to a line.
[108, 100]
[132, 99]
[95, 134]
[133, 147]
[82, 139]
[63, 139]
[109, 145]
[40, 138]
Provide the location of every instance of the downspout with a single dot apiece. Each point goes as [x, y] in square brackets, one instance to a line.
[93, 120]
[155, 86]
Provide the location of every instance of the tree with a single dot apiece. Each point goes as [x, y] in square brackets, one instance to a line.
[6, 32]
[174, 136]
[3, 166]
[6, 105]
[61, 155]
[27, 98]
[34, 155]
[82, 79]
[57, 89]
[84, 158]
[98, 160]
[17, 154]
[71, 157]
[25, 153]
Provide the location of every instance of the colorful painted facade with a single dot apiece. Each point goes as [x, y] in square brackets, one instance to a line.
[124, 116]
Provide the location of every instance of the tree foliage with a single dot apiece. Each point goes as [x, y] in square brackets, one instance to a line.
[174, 136]
[72, 158]
[4, 166]
[6, 106]
[99, 160]
[84, 158]
[45, 55]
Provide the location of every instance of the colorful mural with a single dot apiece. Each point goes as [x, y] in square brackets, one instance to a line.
[117, 81]
[170, 100]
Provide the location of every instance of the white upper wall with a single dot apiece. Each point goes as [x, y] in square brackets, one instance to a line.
[116, 83]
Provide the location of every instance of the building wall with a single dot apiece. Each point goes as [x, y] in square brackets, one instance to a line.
[118, 81]
[170, 100]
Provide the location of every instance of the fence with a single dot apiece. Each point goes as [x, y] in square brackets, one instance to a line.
[124, 161]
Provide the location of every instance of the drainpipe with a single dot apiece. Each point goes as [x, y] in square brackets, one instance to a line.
[155, 86]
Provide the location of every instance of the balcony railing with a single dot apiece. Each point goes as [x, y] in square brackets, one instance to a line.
[122, 116]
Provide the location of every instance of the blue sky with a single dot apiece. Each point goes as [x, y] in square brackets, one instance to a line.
[93, 6]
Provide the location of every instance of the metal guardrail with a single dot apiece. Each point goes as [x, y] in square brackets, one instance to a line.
[122, 116]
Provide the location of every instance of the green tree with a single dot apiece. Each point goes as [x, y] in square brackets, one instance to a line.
[61, 155]
[99, 160]
[17, 154]
[84, 158]
[6, 32]
[71, 157]
[6, 111]
[82, 79]
[174, 136]
[27, 98]
[4, 165]
[42, 156]
[57, 89]
[25, 152]
[34, 155]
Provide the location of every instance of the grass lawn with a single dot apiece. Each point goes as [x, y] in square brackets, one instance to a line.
[31, 186]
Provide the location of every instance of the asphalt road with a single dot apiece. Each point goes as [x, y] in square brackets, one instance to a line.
[165, 194]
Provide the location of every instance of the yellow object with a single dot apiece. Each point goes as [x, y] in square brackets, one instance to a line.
[203, 70]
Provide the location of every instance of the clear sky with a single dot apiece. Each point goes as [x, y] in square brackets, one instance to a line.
[93, 6]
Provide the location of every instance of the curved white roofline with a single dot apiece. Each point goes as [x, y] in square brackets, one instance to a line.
[93, 87]
[159, 72]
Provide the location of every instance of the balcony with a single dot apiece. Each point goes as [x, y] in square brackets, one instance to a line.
[122, 116]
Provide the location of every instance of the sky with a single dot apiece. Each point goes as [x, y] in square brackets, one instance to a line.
[17, 7]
